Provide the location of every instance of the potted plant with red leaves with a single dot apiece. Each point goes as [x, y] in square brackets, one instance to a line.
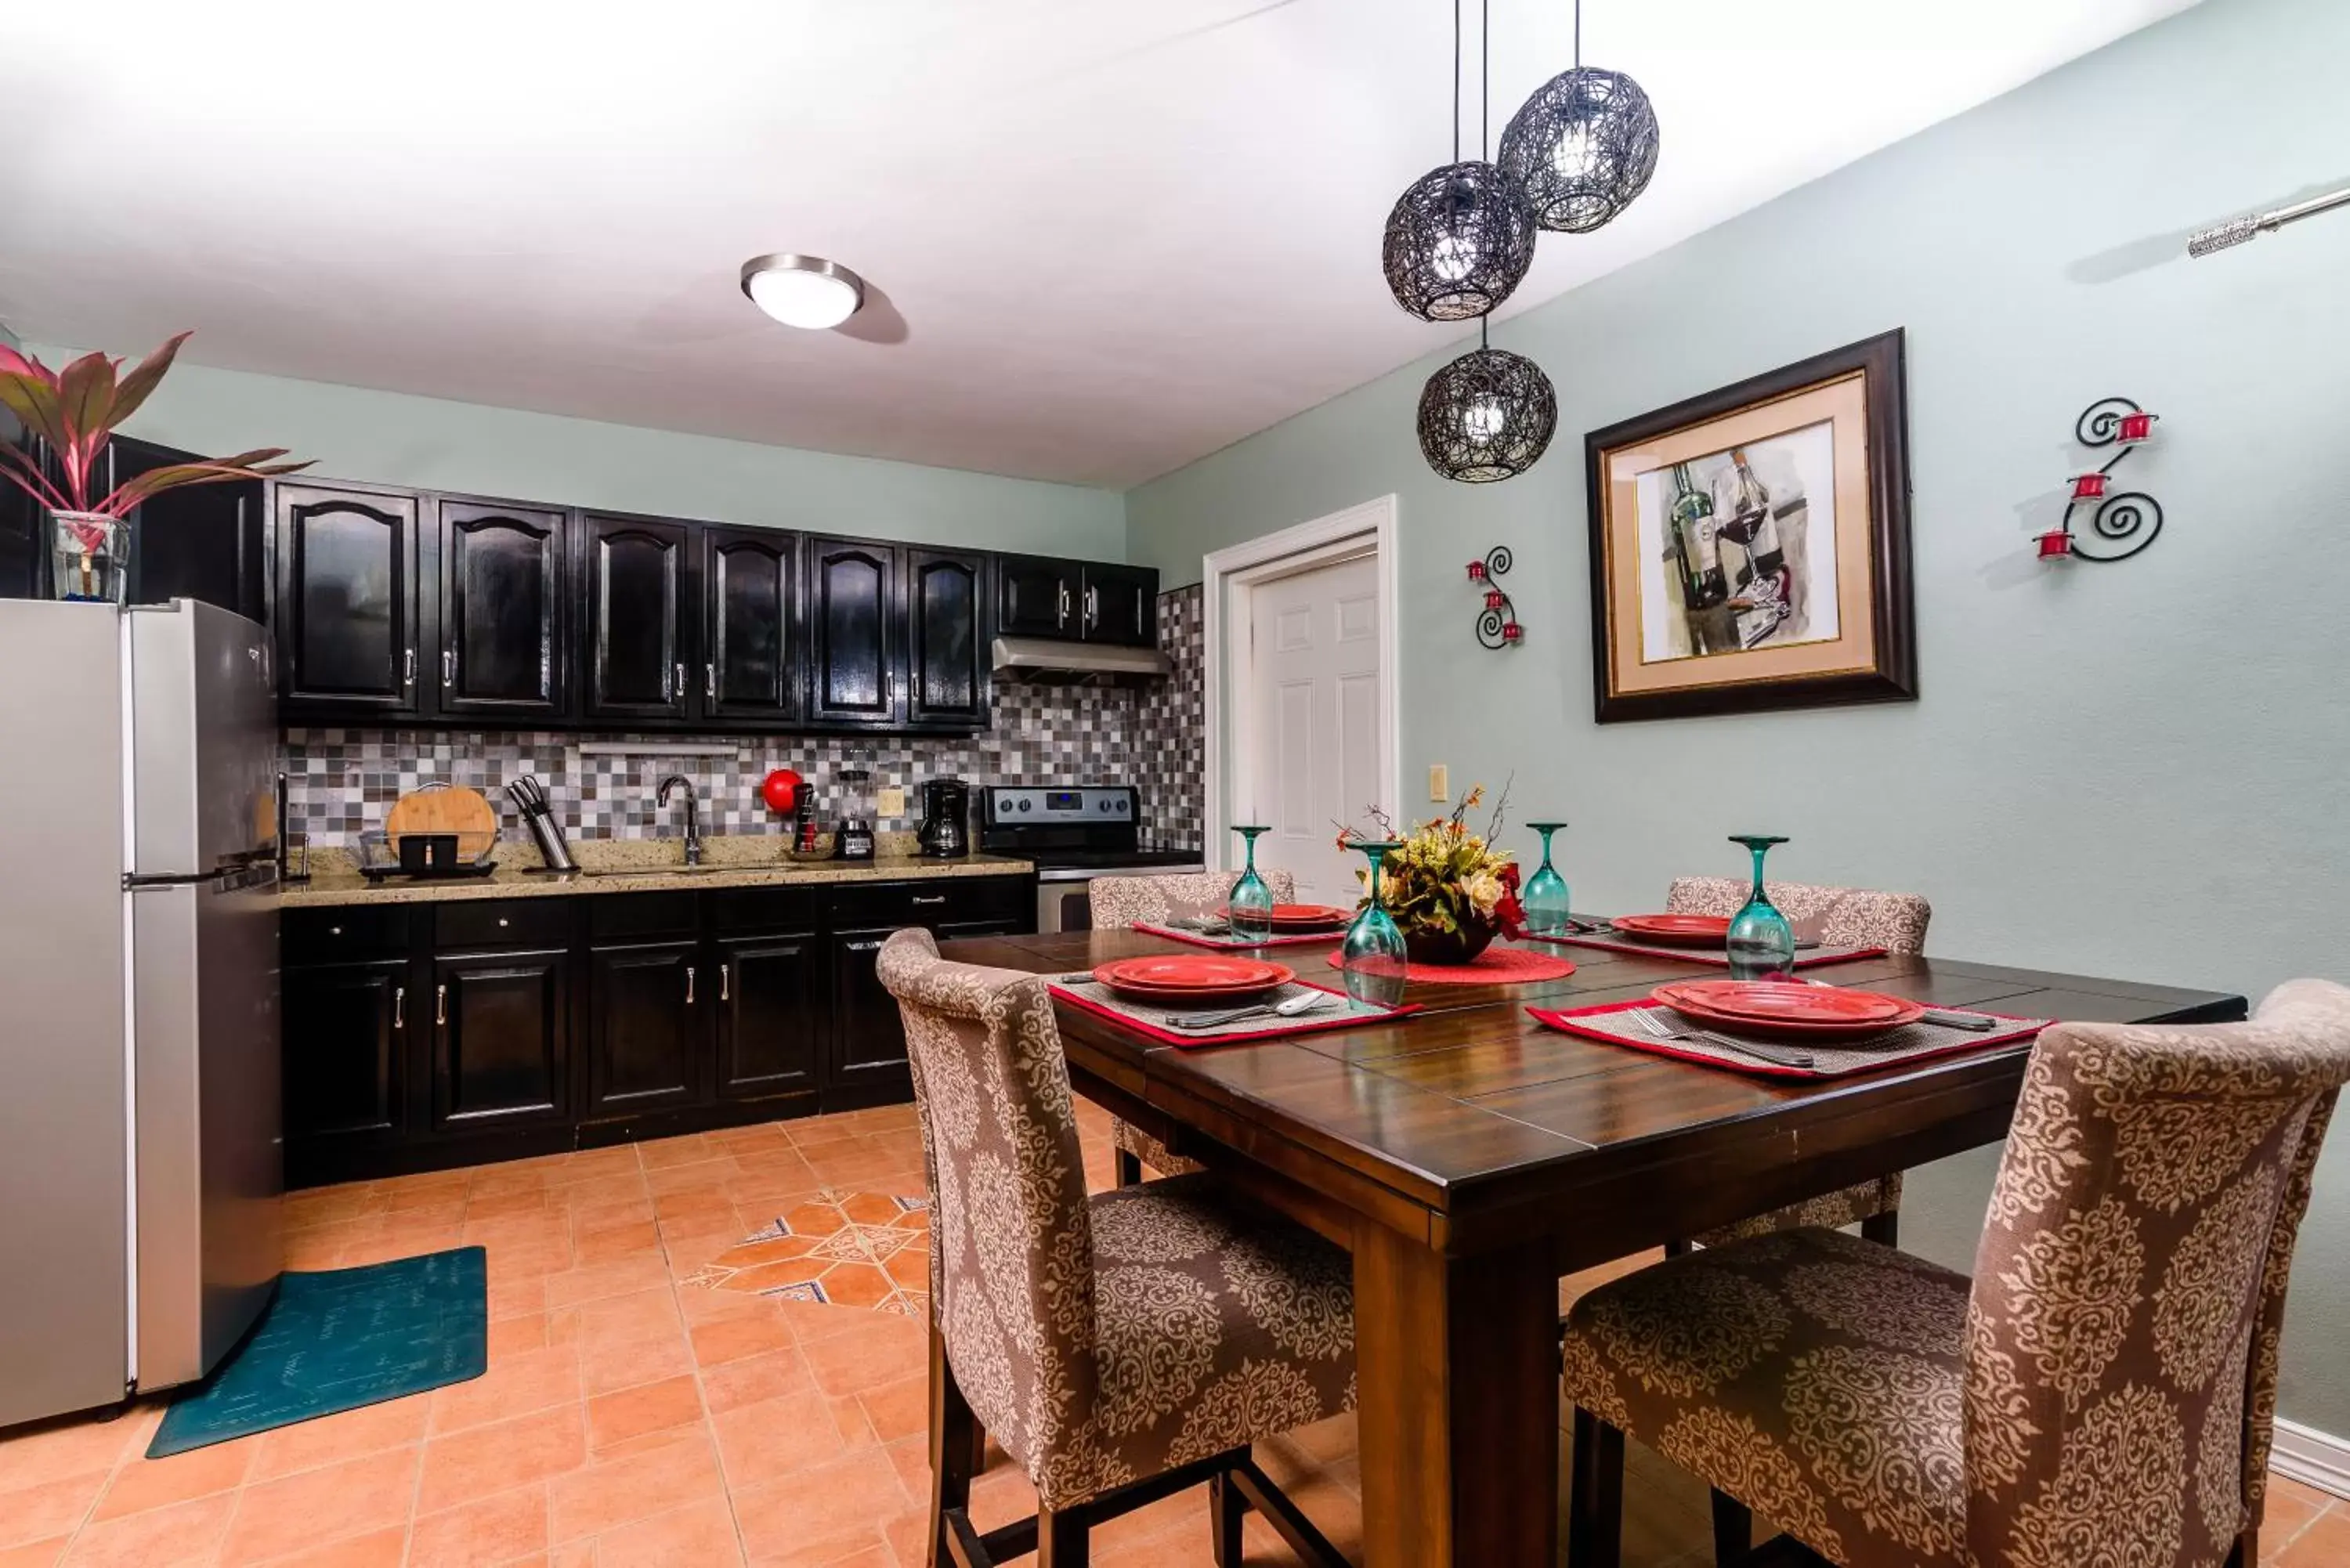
[76, 411]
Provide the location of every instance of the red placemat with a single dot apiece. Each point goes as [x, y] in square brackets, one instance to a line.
[1831, 1059]
[1611, 942]
[1495, 966]
[1151, 1017]
[1226, 944]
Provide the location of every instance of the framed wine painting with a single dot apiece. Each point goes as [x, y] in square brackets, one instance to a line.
[1750, 548]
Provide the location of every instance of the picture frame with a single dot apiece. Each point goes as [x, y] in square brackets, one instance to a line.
[1749, 546]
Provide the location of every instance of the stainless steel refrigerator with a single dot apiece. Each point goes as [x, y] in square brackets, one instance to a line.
[140, 1143]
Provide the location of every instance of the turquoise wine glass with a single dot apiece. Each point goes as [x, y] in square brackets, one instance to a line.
[1372, 959]
[1250, 906]
[1761, 944]
[1543, 896]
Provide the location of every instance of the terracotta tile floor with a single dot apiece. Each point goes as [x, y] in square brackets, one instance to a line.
[632, 1419]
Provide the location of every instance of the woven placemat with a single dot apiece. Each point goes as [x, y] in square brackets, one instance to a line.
[1156, 1019]
[1614, 1022]
[1617, 943]
[1227, 942]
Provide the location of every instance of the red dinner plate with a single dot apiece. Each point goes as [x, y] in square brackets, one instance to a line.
[1191, 977]
[1308, 915]
[1784, 1007]
[1679, 930]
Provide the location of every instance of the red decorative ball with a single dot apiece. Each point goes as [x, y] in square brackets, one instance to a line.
[782, 789]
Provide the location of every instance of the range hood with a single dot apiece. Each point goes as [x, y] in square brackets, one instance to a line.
[1048, 658]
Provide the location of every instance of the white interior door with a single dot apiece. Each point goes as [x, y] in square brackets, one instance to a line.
[1313, 705]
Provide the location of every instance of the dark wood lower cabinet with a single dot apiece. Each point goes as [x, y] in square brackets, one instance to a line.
[502, 1039]
[772, 1014]
[347, 1083]
[483, 1031]
[647, 1026]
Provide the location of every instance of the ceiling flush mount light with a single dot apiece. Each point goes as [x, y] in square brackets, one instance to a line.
[1488, 415]
[1583, 146]
[1462, 236]
[802, 291]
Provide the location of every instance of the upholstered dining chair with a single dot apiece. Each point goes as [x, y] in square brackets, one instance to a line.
[2103, 1391]
[1119, 1348]
[1838, 917]
[1117, 903]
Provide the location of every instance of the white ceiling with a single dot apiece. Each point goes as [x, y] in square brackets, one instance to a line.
[1111, 235]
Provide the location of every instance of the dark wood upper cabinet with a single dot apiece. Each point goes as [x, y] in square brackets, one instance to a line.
[750, 585]
[947, 678]
[1036, 597]
[856, 626]
[1120, 605]
[637, 650]
[347, 601]
[501, 591]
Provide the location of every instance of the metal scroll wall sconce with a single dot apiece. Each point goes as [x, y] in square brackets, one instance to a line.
[1497, 623]
[2123, 522]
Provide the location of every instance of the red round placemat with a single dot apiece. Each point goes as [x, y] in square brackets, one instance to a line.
[1495, 966]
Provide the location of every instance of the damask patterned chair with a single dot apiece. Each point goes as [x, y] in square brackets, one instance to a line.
[1838, 917]
[1119, 1348]
[1117, 903]
[2103, 1391]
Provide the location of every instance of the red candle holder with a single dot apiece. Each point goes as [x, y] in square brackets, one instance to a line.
[1510, 632]
[1495, 599]
[1476, 571]
[2055, 545]
[2088, 486]
[2135, 427]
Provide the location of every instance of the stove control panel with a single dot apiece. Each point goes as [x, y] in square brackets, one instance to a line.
[1019, 806]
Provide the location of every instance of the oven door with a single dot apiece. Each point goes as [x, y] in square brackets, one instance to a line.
[1062, 903]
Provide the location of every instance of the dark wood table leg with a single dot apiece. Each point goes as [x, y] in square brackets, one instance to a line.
[1458, 1362]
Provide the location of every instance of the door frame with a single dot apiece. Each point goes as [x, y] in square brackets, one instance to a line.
[1227, 577]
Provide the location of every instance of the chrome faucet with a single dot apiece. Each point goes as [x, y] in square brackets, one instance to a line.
[692, 814]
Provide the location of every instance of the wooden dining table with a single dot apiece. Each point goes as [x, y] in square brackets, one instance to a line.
[1468, 1157]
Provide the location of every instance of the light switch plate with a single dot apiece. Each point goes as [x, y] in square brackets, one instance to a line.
[892, 803]
[1439, 782]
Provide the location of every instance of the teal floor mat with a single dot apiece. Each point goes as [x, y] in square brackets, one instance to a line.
[341, 1339]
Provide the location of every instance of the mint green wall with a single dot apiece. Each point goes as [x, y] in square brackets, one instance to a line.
[2134, 770]
[396, 438]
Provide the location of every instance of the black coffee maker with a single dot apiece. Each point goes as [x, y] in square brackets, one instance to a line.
[946, 818]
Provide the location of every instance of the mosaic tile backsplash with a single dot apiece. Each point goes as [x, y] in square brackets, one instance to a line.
[343, 781]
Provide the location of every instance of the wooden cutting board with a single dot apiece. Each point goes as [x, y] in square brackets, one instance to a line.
[463, 812]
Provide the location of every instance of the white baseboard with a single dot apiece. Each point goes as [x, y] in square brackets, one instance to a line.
[2312, 1458]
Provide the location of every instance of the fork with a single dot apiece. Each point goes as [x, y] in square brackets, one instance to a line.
[1657, 1028]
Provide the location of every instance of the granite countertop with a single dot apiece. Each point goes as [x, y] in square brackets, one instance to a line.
[634, 866]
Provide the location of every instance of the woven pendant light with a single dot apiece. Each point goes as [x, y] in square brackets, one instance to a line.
[1462, 235]
[1488, 415]
[1583, 146]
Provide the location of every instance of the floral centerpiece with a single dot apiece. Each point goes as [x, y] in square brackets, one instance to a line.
[1448, 891]
[75, 411]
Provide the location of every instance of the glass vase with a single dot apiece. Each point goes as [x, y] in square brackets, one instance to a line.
[1761, 944]
[1544, 898]
[1249, 906]
[89, 557]
[1373, 959]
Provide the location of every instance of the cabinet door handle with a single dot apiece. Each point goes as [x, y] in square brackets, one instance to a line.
[709, 682]
[400, 1007]
[689, 985]
[935, 899]
[441, 1005]
[407, 668]
[677, 691]
[1093, 606]
[448, 667]
[725, 981]
[1064, 617]
[871, 947]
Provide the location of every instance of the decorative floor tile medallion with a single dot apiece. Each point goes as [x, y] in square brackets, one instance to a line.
[841, 1248]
